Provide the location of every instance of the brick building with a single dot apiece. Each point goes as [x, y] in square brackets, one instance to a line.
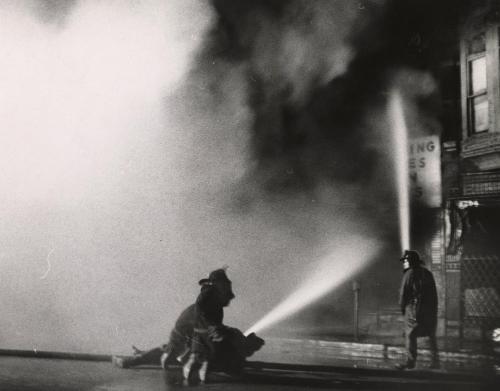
[468, 240]
[463, 247]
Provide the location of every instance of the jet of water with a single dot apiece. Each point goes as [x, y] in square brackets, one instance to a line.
[400, 143]
[331, 271]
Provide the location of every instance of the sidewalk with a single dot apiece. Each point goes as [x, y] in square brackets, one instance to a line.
[282, 361]
[35, 374]
[377, 354]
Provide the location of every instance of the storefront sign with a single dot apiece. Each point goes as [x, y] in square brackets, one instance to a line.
[476, 184]
[425, 170]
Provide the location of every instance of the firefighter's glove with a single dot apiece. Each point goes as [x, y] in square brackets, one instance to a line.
[216, 333]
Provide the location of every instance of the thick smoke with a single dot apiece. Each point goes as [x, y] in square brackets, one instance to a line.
[52, 11]
[146, 143]
[318, 126]
[90, 185]
[310, 108]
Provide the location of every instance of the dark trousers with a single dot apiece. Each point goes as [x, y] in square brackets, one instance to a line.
[149, 357]
[411, 346]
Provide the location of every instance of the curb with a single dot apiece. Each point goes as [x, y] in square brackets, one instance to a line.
[356, 350]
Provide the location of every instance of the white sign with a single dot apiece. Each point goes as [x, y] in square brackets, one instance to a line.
[425, 170]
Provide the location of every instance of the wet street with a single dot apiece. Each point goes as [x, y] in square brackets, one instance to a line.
[29, 374]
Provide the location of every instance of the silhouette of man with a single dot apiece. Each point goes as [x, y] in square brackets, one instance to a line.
[418, 302]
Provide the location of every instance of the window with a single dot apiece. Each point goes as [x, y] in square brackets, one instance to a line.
[478, 96]
[477, 85]
[480, 78]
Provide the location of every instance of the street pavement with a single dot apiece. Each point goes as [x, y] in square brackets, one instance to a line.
[47, 372]
[36, 374]
[375, 355]
[282, 364]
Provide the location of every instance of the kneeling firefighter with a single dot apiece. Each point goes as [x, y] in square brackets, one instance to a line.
[199, 337]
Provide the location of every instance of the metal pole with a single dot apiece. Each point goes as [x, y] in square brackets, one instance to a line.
[355, 289]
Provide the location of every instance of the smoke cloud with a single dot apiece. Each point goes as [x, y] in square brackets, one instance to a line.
[145, 143]
[89, 180]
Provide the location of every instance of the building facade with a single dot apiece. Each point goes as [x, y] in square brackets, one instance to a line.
[469, 234]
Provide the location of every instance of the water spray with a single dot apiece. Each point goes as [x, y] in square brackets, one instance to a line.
[347, 260]
[329, 273]
[400, 143]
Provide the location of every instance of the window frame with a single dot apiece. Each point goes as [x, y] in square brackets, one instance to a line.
[472, 96]
[492, 92]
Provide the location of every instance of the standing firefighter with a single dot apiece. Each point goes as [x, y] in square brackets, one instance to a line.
[418, 302]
